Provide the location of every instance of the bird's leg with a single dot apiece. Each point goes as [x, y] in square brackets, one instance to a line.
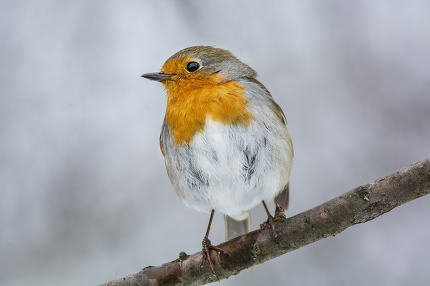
[207, 246]
[270, 221]
[279, 212]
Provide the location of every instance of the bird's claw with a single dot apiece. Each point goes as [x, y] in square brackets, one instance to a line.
[270, 222]
[279, 214]
[207, 247]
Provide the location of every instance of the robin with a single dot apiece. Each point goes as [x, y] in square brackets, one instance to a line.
[224, 139]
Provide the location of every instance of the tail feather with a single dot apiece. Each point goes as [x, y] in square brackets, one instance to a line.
[235, 228]
[283, 198]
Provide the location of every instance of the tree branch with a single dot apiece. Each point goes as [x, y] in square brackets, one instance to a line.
[357, 206]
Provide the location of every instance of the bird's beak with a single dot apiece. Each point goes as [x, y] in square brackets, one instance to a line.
[157, 76]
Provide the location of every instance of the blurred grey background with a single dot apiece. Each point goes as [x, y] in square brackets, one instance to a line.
[84, 193]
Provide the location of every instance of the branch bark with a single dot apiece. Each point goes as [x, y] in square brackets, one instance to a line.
[360, 205]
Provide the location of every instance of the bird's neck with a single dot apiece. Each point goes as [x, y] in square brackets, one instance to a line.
[190, 102]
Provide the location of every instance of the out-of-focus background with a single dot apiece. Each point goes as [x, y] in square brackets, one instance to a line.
[84, 196]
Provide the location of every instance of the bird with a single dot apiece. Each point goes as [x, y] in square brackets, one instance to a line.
[224, 139]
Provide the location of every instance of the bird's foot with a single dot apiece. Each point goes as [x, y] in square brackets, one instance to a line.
[270, 222]
[279, 214]
[207, 247]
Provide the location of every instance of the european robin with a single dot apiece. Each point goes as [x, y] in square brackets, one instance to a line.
[224, 139]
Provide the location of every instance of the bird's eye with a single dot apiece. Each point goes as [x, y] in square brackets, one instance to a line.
[192, 66]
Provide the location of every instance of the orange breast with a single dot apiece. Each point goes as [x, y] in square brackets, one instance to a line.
[190, 101]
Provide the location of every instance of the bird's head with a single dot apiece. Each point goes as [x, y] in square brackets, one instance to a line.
[201, 64]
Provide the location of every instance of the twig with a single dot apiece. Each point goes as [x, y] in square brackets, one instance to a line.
[357, 206]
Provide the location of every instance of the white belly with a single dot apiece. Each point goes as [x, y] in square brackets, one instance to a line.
[230, 168]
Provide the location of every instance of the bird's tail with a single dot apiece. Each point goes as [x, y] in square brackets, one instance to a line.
[234, 228]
